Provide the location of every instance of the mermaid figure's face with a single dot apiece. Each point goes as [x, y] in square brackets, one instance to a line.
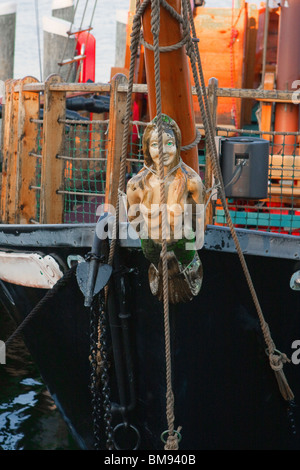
[169, 156]
[171, 137]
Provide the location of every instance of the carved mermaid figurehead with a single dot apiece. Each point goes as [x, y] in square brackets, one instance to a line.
[184, 195]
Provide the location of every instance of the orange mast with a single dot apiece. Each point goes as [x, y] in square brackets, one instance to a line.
[176, 91]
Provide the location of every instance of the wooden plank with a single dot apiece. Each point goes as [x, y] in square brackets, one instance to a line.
[285, 191]
[213, 104]
[265, 95]
[52, 203]
[71, 87]
[117, 111]
[27, 142]
[284, 166]
[266, 107]
[11, 200]
[7, 118]
[274, 95]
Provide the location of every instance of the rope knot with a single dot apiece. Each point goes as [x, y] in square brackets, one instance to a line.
[277, 360]
[172, 442]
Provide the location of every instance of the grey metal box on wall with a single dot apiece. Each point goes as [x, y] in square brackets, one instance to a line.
[245, 164]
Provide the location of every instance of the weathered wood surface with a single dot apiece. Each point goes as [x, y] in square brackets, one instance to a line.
[52, 203]
[115, 139]
[26, 199]
[6, 148]
[213, 104]
[12, 152]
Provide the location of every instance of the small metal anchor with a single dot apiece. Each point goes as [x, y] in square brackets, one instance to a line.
[92, 274]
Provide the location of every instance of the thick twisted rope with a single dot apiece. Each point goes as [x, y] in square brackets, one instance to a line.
[39, 306]
[171, 48]
[276, 359]
[135, 40]
[172, 441]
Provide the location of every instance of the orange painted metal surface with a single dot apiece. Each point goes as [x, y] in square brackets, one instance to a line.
[176, 92]
[222, 34]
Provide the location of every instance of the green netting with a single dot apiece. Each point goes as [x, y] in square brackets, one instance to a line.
[85, 157]
[135, 159]
[38, 166]
[280, 211]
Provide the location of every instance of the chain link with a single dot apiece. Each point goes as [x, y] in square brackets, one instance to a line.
[99, 378]
[105, 375]
[94, 382]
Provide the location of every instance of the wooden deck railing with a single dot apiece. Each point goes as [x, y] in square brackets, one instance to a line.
[21, 198]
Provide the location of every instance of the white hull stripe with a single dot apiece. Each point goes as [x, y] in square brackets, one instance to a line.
[29, 269]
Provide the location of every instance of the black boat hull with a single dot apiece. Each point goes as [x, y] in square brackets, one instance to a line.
[226, 394]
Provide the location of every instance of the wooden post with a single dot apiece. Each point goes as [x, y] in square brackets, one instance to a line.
[213, 103]
[29, 105]
[267, 107]
[6, 120]
[12, 162]
[52, 202]
[115, 136]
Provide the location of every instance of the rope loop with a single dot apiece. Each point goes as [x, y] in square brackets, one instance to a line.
[173, 439]
[170, 48]
[172, 11]
[199, 80]
[193, 144]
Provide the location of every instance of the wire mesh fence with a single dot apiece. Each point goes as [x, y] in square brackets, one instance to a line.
[73, 157]
[280, 210]
[85, 158]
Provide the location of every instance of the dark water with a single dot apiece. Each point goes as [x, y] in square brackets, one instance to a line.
[29, 419]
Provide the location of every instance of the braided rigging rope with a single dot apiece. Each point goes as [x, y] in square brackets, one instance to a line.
[135, 40]
[62, 282]
[172, 440]
[276, 358]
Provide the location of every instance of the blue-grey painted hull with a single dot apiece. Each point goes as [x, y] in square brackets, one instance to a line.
[226, 395]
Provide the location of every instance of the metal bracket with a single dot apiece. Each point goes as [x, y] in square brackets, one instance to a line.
[74, 259]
